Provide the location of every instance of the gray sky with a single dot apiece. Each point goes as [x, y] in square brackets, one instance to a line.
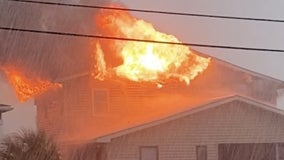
[23, 115]
[198, 30]
[225, 32]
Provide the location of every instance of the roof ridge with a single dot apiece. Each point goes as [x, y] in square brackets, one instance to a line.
[239, 67]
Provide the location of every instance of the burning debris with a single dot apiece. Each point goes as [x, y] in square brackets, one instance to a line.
[142, 61]
[25, 87]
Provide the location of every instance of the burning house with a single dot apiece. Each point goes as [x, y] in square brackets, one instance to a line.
[160, 100]
[157, 100]
[111, 112]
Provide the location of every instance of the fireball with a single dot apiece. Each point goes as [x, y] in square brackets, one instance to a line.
[142, 61]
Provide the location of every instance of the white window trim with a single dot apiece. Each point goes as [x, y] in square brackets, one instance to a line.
[201, 146]
[155, 147]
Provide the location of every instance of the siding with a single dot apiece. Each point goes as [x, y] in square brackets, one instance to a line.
[235, 122]
[70, 109]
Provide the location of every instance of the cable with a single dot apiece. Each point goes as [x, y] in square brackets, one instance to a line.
[151, 11]
[138, 40]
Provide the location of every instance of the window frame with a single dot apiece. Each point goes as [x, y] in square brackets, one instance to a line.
[154, 147]
[197, 151]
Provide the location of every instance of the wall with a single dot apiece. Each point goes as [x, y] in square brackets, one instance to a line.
[65, 111]
[235, 122]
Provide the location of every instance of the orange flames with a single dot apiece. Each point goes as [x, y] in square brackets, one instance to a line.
[27, 87]
[136, 61]
[142, 61]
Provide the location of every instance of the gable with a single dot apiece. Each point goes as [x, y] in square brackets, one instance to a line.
[225, 113]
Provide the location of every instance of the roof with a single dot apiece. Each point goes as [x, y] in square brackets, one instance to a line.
[5, 108]
[74, 76]
[192, 110]
[222, 62]
[231, 65]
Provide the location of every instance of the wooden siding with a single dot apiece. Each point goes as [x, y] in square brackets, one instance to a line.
[65, 111]
[235, 122]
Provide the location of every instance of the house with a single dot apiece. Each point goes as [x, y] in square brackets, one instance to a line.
[3, 108]
[228, 128]
[86, 109]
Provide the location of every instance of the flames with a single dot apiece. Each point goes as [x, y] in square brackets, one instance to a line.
[135, 61]
[27, 87]
[142, 61]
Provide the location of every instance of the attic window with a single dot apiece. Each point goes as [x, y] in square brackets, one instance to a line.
[100, 100]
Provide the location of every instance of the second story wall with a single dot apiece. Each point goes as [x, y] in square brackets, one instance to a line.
[84, 103]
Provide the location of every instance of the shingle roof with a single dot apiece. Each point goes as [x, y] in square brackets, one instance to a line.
[217, 60]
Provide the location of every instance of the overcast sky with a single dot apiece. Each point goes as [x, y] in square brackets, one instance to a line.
[225, 32]
[198, 30]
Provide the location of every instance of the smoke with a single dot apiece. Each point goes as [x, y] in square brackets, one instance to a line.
[47, 56]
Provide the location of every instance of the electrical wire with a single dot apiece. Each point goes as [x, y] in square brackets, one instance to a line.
[137, 40]
[150, 11]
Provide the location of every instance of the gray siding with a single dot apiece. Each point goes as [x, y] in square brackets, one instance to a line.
[235, 122]
[65, 111]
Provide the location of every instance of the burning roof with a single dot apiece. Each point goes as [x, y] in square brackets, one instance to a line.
[142, 61]
[27, 87]
[135, 61]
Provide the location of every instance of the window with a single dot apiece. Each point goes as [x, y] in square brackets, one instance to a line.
[247, 151]
[201, 152]
[280, 151]
[149, 153]
[100, 100]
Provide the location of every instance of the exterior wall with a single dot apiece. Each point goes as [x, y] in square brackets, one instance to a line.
[64, 112]
[61, 113]
[243, 83]
[235, 122]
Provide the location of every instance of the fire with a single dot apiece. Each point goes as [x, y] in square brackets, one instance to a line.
[142, 61]
[25, 87]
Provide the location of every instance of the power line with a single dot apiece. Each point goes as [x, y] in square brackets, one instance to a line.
[151, 11]
[138, 40]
